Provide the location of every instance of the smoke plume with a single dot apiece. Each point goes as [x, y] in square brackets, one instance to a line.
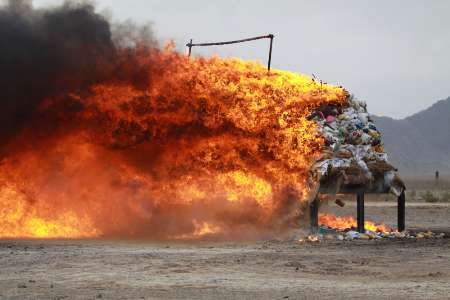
[44, 52]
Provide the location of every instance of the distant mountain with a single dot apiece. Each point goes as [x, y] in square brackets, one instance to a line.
[419, 144]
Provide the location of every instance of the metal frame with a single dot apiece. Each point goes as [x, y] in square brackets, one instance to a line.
[269, 36]
[359, 192]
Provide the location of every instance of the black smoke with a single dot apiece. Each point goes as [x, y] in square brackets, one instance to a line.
[45, 52]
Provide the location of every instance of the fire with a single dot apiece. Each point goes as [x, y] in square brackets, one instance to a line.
[347, 223]
[240, 186]
[22, 220]
[206, 145]
[205, 229]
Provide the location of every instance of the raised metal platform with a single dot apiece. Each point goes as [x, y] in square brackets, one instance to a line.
[359, 191]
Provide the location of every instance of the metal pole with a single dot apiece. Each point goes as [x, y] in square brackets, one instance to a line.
[270, 52]
[360, 212]
[314, 214]
[401, 211]
[190, 47]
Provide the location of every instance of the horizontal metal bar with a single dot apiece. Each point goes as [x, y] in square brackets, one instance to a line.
[351, 190]
[269, 36]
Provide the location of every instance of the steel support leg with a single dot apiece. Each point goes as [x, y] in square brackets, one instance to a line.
[314, 214]
[360, 212]
[401, 211]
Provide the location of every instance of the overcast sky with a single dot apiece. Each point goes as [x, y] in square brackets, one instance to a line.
[392, 54]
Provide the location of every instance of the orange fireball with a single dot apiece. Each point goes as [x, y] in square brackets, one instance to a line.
[205, 145]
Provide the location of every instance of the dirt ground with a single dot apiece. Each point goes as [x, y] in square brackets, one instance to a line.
[402, 269]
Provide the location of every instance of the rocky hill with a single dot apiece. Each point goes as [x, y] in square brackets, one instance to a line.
[419, 144]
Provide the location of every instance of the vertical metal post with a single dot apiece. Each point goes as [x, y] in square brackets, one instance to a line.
[314, 214]
[360, 212]
[190, 48]
[401, 211]
[270, 52]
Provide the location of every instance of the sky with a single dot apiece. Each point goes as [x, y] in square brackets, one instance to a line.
[392, 54]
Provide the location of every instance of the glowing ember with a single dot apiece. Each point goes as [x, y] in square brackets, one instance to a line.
[205, 146]
[346, 223]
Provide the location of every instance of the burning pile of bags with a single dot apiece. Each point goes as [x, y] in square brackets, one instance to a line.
[353, 149]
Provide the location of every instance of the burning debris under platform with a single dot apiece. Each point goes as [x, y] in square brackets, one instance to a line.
[324, 233]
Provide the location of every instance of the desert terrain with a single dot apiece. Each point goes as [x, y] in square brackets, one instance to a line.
[270, 269]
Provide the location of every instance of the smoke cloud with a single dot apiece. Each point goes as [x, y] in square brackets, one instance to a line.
[45, 52]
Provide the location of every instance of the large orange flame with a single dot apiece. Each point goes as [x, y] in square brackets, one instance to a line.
[207, 145]
[347, 223]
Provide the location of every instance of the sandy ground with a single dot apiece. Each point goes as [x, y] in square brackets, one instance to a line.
[404, 269]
